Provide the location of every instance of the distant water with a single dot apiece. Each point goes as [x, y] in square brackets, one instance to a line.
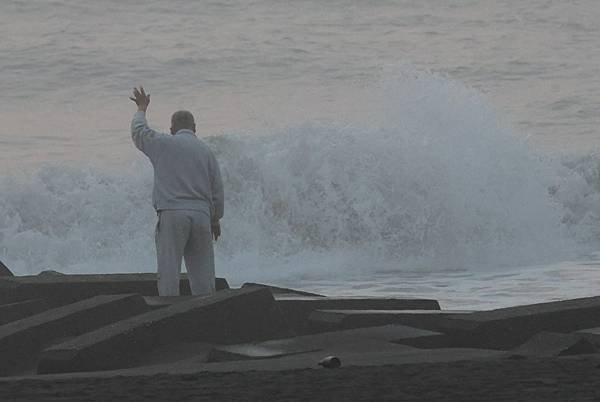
[438, 149]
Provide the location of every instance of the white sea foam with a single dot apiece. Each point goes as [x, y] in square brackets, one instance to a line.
[431, 182]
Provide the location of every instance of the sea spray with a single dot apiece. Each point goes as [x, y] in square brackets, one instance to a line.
[77, 219]
[432, 181]
[577, 190]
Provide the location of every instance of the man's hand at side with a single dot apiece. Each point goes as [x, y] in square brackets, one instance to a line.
[140, 98]
[215, 228]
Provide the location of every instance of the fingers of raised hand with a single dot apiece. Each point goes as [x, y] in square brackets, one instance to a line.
[140, 97]
[140, 93]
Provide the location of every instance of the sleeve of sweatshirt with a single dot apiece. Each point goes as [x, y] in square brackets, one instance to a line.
[218, 195]
[144, 138]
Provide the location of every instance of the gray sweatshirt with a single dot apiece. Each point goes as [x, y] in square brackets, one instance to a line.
[186, 172]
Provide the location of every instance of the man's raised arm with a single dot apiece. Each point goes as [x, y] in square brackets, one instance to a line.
[143, 136]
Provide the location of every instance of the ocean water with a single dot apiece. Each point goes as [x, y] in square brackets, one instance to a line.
[399, 148]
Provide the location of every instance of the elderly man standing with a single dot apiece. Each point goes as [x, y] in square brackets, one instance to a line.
[188, 198]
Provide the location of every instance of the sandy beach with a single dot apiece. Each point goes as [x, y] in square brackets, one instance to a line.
[535, 379]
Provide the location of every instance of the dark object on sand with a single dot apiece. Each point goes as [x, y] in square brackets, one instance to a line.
[4, 271]
[330, 362]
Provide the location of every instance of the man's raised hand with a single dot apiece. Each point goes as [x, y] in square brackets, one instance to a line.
[141, 99]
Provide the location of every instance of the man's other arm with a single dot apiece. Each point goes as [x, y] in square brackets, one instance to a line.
[218, 194]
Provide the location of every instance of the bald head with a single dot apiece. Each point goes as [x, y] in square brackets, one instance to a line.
[182, 119]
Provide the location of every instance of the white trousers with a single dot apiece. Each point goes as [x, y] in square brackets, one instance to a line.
[184, 234]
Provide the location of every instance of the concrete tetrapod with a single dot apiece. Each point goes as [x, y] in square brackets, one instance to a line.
[507, 328]
[71, 288]
[331, 320]
[297, 309]
[591, 334]
[556, 344]
[4, 271]
[20, 341]
[16, 311]
[230, 316]
[282, 291]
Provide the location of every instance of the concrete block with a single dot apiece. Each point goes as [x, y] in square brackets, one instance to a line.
[176, 352]
[155, 302]
[230, 316]
[435, 341]
[4, 271]
[331, 320]
[547, 344]
[361, 339]
[16, 311]
[20, 341]
[297, 309]
[70, 288]
[276, 290]
[591, 334]
[509, 327]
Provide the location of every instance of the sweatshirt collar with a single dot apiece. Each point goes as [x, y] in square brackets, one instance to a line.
[185, 131]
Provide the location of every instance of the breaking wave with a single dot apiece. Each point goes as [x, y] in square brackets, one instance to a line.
[433, 181]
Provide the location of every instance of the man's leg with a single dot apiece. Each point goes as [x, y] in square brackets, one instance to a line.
[199, 256]
[172, 232]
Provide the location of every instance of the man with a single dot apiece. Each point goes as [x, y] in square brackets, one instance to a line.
[188, 197]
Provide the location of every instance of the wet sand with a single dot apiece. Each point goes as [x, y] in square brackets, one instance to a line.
[505, 379]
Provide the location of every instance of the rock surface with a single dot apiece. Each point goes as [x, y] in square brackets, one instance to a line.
[330, 320]
[21, 340]
[297, 309]
[509, 327]
[71, 288]
[15, 311]
[4, 271]
[556, 344]
[230, 316]
[276, 290]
